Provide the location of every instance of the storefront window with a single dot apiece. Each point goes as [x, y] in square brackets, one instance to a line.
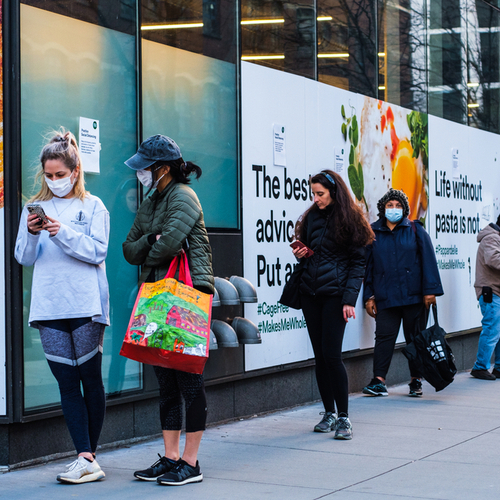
[447, 55]
[70, 69]
[189, 94]
[401, 53]
[280, 35]
[483, 67]
[347, 47]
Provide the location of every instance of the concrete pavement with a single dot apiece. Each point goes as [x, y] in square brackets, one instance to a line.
[445, 445]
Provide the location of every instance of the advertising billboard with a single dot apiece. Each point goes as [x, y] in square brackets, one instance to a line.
[293, 128]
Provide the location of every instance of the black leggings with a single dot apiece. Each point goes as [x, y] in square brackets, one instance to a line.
[73, 349]
[174, 386]
[326, 326]
[388, 323]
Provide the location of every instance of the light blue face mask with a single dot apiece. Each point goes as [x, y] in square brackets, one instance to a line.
[393, 214]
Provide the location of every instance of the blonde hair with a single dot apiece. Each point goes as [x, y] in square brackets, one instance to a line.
[62, 146]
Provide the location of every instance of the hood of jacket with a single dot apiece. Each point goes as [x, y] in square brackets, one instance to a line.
[488, 230]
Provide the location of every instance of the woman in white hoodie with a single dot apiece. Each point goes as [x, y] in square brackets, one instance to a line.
[66, 240]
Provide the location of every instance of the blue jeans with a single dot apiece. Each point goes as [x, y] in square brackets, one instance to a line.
[488, 340]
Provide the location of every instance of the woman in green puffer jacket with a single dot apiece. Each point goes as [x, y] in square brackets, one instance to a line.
[168, 221]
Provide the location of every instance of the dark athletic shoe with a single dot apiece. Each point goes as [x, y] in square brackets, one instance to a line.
[496, 373]
[376, 388]
[483, 374]
[327, 423]
[159, 468]
[343, 429]
[415, 388]
[182, 473]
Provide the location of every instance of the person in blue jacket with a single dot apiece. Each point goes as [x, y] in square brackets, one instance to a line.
[401, 282]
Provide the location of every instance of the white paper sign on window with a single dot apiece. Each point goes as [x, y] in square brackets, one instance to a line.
[454, 163]
[339, 161]
[279, 145]
[90, 146]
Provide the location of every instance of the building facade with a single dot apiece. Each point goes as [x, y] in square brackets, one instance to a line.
[260, 94]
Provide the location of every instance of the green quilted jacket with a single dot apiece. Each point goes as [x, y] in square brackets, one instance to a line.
[176, 214]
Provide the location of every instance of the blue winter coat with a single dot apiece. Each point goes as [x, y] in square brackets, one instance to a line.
[401, 265]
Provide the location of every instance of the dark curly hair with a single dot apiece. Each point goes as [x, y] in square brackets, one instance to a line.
[347, 224]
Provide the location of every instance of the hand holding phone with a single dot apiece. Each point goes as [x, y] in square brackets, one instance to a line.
[38, 210]
[299, 245]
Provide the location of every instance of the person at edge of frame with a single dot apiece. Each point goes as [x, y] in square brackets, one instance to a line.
[487, 286]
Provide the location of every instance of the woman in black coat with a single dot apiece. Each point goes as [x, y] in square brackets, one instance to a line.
[401, 282]
[335, 229]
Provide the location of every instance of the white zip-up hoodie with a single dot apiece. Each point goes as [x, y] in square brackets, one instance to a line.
[69, 277]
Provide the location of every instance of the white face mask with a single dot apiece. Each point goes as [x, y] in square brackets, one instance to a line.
[60, 187]
[145, 178]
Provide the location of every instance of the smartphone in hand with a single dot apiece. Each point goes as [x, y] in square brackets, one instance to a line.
[299, 244]
[38, 210]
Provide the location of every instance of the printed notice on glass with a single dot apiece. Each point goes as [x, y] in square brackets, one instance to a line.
[279, 145]
[454, 163]
[90, 146]
[339, 161]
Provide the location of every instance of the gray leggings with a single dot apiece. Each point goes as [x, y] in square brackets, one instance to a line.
[73, 348]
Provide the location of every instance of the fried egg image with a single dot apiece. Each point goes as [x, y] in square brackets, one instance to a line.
[386, 155]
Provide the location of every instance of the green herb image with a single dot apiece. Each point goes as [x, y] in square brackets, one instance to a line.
[350, 129]
[417, 123]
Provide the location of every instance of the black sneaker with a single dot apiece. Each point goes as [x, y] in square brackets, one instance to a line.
[376, 388]
[415, 388]
[343, 429]
[496, 373]
[483, 374]
[159, 468]
[182, 473]
[327, 423]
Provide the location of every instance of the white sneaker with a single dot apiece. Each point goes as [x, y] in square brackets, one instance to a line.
[81, 471]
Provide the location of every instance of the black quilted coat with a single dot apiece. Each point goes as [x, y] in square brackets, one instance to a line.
[331, 270]
[176, 214]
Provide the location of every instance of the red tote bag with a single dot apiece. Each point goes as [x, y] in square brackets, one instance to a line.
[170, 322]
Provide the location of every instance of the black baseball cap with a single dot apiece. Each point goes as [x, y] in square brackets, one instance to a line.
[154, 148]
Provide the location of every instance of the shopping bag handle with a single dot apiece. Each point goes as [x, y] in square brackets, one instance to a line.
[180, 261]
[435, 313]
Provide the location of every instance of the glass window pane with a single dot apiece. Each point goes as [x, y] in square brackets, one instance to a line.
[483, 66]
[279, 35]
[118, 15]
[447, 59]
[444, 14]
[347, 45]
[202, 26]
[402, 53]
[192, 97]
[69, 69]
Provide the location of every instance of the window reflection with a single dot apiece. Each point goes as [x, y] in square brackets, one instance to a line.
[113, 14]
[401, 54]
[202, 26]
[279, 35]
[347, 52]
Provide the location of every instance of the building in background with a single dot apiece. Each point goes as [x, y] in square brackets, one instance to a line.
[222, 77]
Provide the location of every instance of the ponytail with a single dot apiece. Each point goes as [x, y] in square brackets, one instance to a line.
[181, 170]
